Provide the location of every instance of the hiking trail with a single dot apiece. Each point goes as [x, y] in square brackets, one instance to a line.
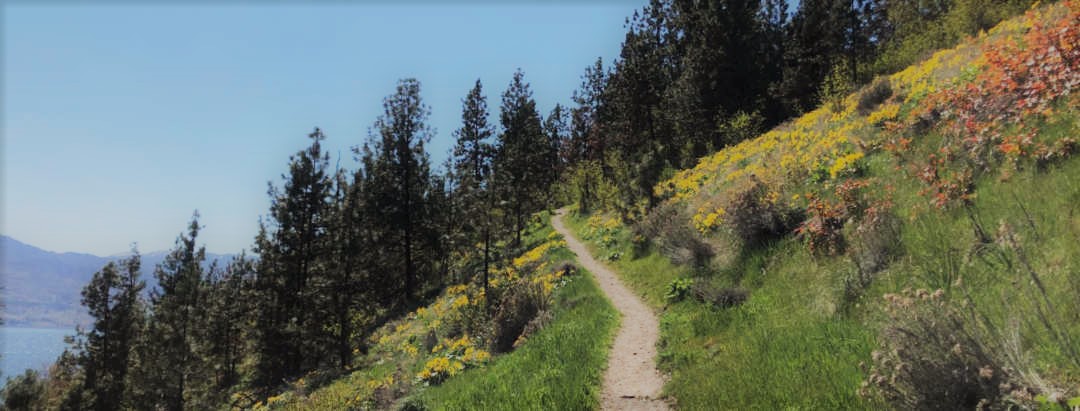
[631, 381]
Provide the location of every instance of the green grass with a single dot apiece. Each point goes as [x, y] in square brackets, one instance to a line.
[560, 368]
[791, 346]
[648, 275]
[781, 350]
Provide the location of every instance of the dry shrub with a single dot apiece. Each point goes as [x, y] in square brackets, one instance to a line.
[568, 269]
[541, 320]
[876, 240]
[875, 243]
[718, 297]
[430, 340]
[383, 398]
[675, 239]
[519, 305]
[822, 230]
[934, 357]
[756, 215]
[873, 96]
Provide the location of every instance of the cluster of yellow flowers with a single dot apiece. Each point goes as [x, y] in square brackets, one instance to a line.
[453, 356]
[549, 281]
[509, 274]
[460, 302]
[456, 289]
[440, 368]
[408, 348]
[821, 143]
[845, 164]
[379, 383]
[538, 252]
[706, 221]
[456, 356]
[886, 112]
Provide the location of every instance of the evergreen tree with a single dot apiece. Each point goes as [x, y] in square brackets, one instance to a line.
[399, 188]
[112, 300]
[723, 65]
[557, 132]
[24, 392]
[342, 290]
[167, 361]
[587, 140]
[521, 174]
[471, 168]
[641, 106]
[774, 19]
[819, 45]
[289, 246]
[63, 389]
[226, 320]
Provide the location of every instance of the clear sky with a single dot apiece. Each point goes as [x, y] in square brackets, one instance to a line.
[120, 120]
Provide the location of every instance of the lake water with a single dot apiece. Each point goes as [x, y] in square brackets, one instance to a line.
[24, 348]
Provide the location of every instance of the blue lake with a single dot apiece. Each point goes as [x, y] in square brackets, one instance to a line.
[24, 348]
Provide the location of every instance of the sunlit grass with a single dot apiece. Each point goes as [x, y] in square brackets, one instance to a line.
[559, 368]
[781, 349]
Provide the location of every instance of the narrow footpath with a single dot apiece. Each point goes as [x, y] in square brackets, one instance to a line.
[631, 381]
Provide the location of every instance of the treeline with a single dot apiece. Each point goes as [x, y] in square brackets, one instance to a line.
[338, 254]
[694, 76]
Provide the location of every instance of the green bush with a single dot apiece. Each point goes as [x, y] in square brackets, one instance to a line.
[835, 87]
[755, 219]
[919, 32]
[24, 392]
[586, 186]
[719, 297]
[679, 289]
[740, 127]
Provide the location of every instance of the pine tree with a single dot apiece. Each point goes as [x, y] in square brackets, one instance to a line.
[642, 106]
[521, 174]
[289, 246]
[112, 299]
[224, 327]
[471, 165]
[398, 183]
[557, 133]
[587, 141]
[168, 364]
[820, 44]
[343, 289]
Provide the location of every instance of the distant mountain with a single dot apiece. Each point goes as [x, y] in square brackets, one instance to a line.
[43, 288]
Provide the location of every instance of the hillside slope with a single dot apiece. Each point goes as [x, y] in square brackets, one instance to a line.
[440, 355]
[948, 188]
[910, 246]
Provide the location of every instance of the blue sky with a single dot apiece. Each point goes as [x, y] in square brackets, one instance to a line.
[120, 120]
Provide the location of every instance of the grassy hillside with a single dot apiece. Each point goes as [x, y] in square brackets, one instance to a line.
[910, 246]
[428, 359]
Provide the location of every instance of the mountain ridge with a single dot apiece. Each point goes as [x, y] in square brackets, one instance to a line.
[42, 288]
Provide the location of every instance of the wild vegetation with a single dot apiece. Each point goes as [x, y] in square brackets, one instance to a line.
[902, 249]
[907, 244]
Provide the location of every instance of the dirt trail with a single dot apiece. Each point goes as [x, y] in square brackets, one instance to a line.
[631, 381]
